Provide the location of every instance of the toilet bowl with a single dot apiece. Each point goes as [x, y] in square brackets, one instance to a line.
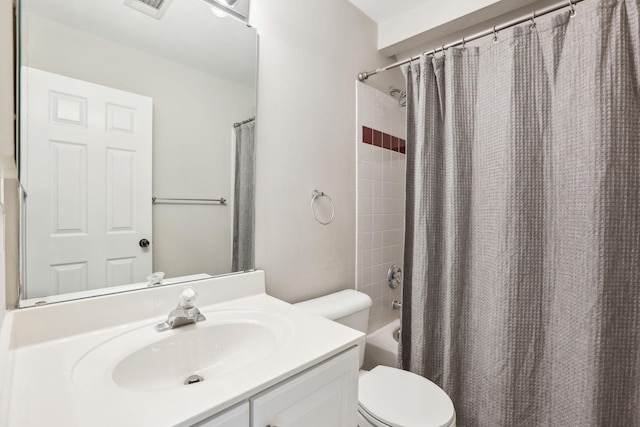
[387, 397]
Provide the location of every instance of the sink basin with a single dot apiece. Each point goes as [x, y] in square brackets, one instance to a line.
[146, 360]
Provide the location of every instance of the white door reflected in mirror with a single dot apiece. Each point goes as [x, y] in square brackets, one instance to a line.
[87, 175]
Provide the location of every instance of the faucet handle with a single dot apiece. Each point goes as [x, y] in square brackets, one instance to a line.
[187, 297]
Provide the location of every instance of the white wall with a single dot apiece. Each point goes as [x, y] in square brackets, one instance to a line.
[3, 296]
[190, 158]
[310, 55]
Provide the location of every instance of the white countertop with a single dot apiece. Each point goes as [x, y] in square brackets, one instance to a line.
[43, 392]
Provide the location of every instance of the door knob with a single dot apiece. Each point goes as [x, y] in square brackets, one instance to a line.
[144, 243]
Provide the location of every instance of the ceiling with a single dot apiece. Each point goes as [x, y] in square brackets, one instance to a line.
[383, 10]
[408, 25]
[188, 33]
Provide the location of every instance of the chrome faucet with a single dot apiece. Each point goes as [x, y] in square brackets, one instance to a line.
[184, 314]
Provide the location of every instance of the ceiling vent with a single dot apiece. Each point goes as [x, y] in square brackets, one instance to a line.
[153, 8]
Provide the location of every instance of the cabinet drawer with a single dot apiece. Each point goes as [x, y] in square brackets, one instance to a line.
[237, 416]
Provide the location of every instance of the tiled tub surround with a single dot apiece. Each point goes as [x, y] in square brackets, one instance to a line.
[383, 140]
[380, 202]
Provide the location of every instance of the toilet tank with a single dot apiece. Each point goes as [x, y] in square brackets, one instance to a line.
[348, 307]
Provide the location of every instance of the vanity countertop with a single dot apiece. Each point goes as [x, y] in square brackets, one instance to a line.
[43, 389]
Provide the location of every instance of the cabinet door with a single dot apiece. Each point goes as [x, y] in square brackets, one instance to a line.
[234, 417]
[325, 395]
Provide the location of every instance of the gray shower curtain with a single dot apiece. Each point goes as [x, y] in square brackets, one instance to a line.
[244, 199]
[522, 249]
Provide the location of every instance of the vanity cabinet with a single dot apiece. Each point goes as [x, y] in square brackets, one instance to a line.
[325, 395]
[234, 417]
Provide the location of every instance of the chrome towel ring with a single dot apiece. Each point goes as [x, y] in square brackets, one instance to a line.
[314, 195]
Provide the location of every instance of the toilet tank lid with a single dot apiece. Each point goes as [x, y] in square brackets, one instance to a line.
[337, 305]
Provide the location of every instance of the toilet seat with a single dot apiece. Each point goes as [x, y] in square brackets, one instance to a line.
[398, 398]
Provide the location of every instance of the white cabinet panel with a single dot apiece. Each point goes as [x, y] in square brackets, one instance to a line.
[326, 395]
[235, 417]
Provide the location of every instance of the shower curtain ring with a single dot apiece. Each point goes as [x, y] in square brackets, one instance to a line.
[495, 35]
[573, 10]
[463, 43]
[533, 20]
[443, 50]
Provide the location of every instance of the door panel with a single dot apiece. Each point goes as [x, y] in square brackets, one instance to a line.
[120, 192]
[68, 187]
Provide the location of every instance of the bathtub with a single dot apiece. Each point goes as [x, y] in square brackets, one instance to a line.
[382, 346]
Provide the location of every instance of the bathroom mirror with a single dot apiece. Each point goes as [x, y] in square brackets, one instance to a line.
[136, 145]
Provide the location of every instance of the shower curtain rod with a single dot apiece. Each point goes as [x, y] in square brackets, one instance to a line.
[535, 14]
[238, 124]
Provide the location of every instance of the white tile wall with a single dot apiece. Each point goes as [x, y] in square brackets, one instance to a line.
[380, 202]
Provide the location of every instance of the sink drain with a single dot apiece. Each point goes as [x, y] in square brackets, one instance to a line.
[193, 379]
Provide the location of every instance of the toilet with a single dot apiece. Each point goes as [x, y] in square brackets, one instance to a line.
[387, 397]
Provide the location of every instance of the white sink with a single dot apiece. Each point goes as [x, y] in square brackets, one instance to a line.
[145, 360]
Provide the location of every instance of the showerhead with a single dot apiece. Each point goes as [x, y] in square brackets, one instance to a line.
[402, 95]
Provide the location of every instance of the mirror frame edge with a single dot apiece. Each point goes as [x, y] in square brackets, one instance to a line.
[9, 151]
